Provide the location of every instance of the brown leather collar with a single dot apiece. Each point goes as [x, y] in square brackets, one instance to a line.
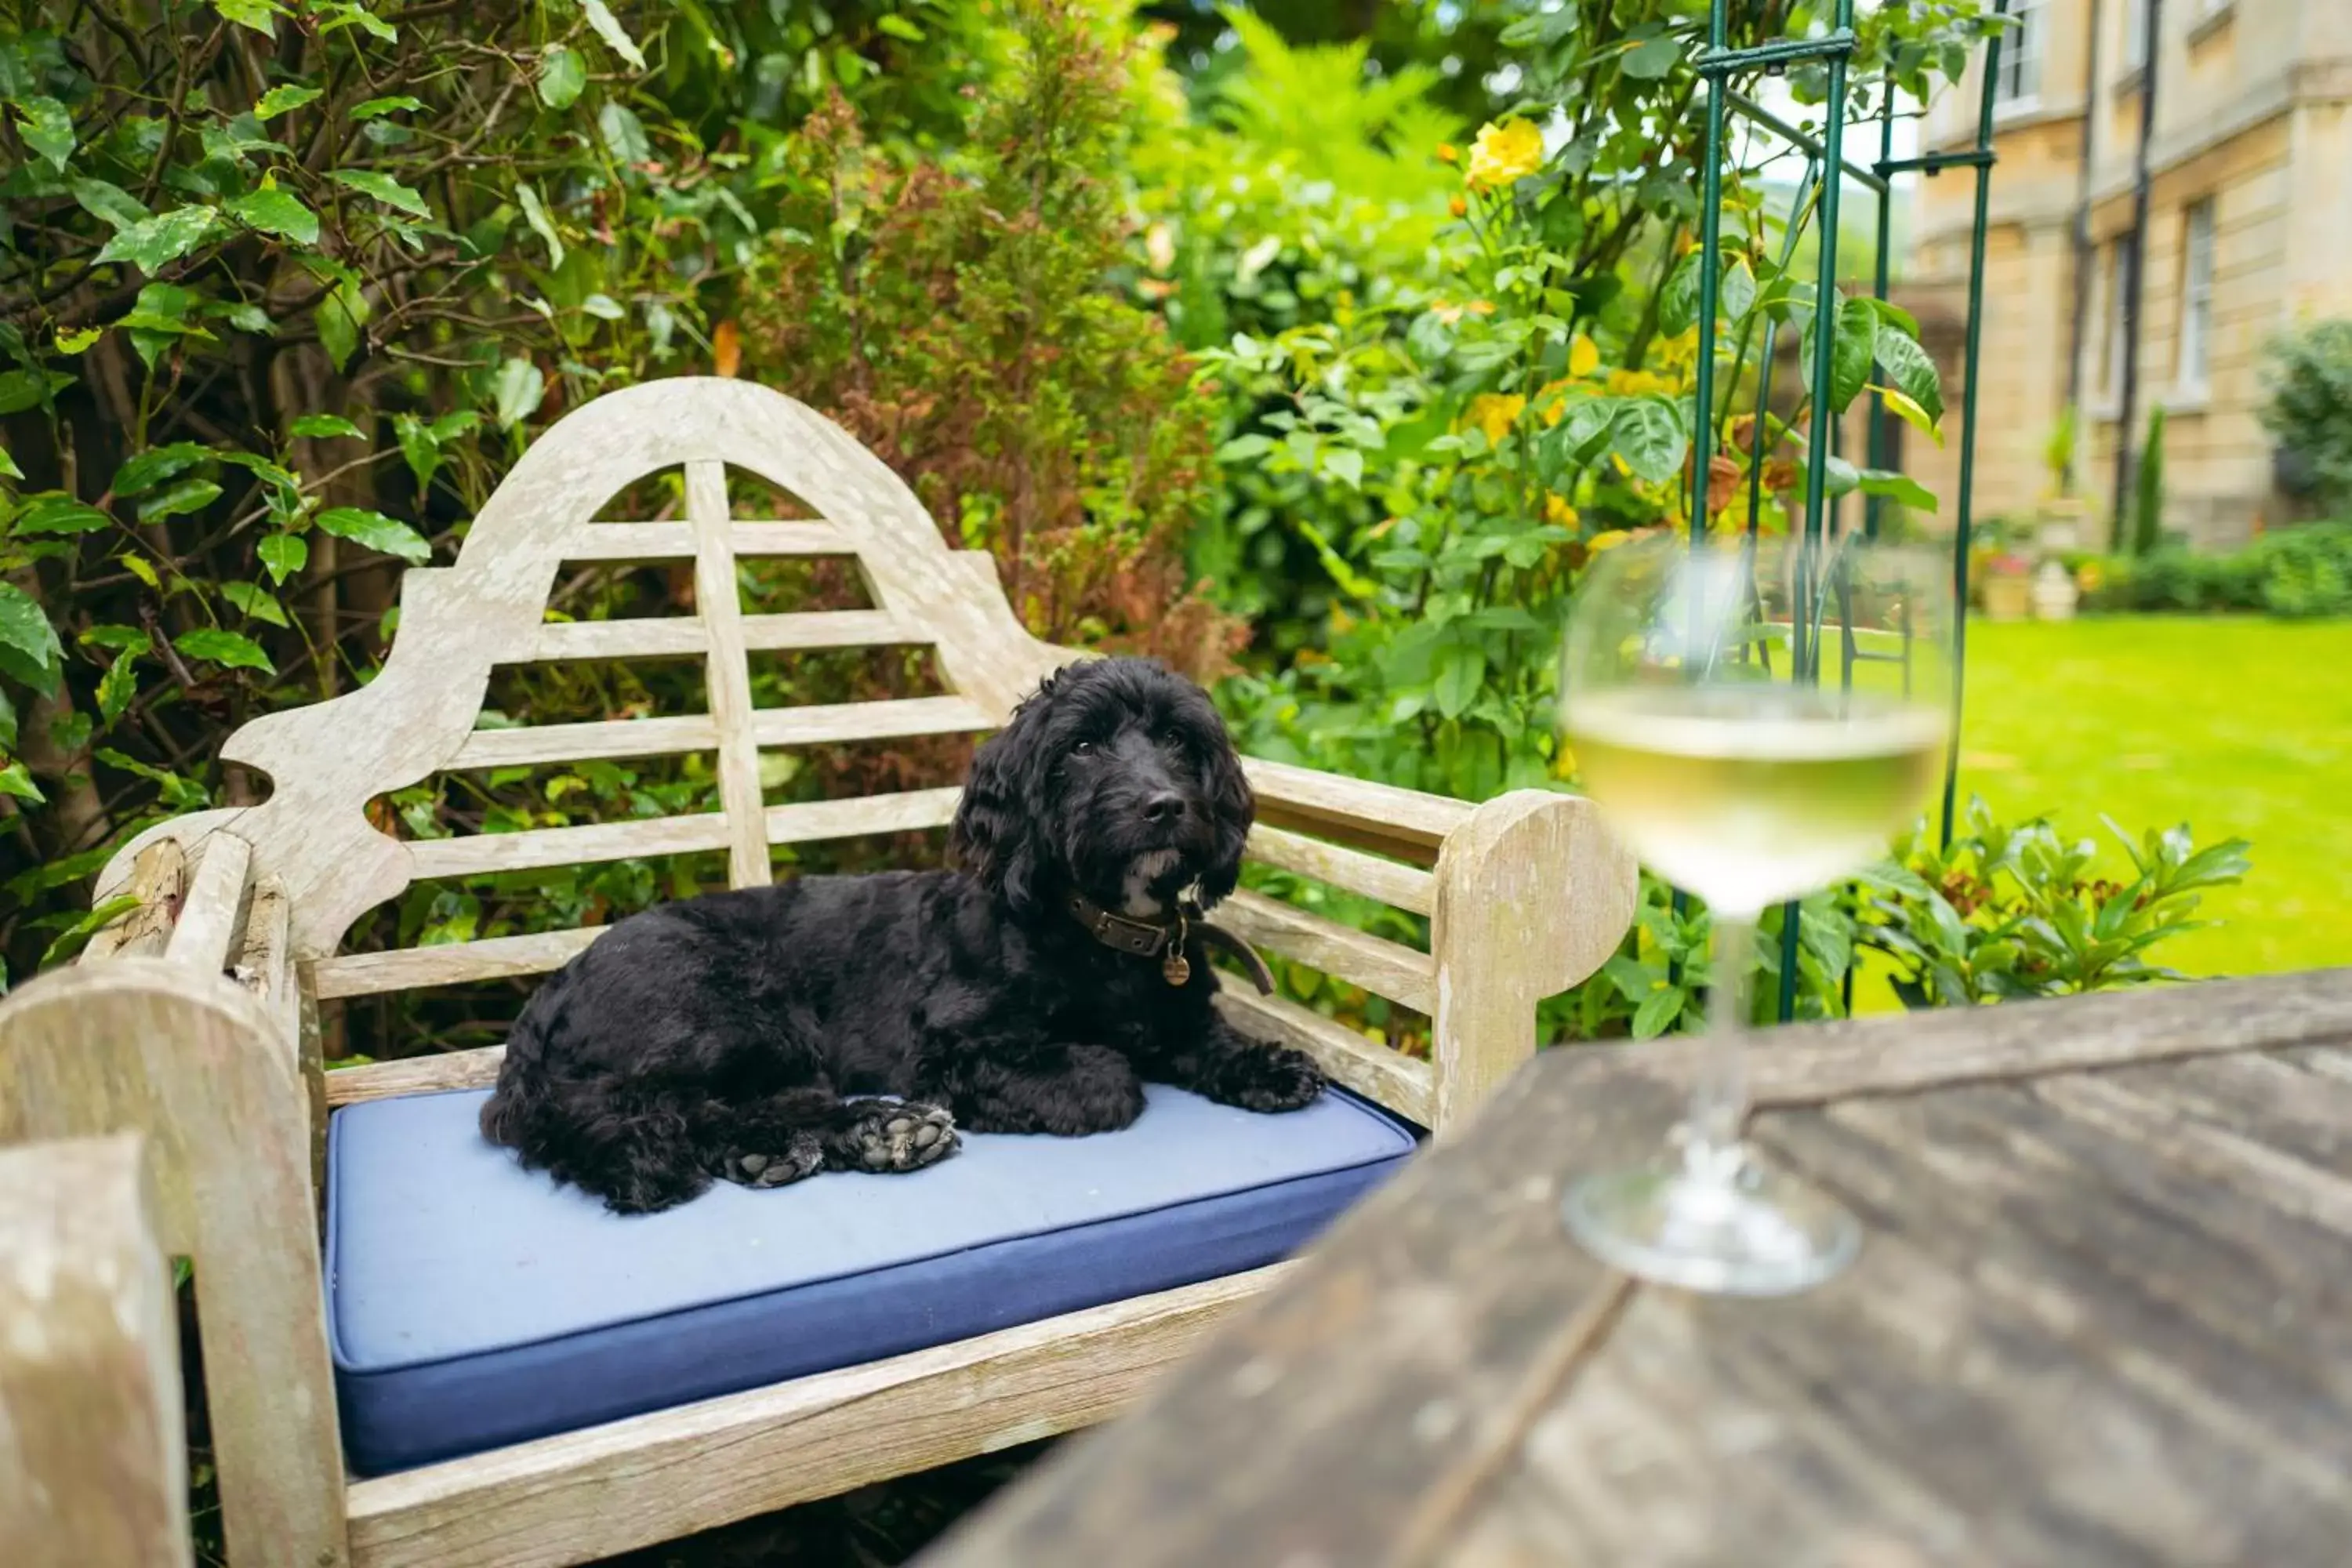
[1170, 941]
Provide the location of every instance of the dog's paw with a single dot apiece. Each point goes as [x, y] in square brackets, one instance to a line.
[902, 1137]
[1274, 1078]
[803, 1155]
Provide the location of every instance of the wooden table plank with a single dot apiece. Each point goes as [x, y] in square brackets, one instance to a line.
[2103, 1314]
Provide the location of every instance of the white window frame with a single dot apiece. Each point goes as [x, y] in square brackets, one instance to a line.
[2017, 86]
[2132, 50]
[2194, 346]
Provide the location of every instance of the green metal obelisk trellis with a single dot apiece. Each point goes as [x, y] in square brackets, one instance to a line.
[1826, 172]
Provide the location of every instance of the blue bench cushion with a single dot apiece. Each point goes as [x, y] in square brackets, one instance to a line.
[472, 1304]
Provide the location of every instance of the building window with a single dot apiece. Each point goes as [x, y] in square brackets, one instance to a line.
[2197, 297]
[2019, 82]
[2134, 52]
[2111, 354]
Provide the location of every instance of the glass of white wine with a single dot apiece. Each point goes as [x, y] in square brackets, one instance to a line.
[1755, 717]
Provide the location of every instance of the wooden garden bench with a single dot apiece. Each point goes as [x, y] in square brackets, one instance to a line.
[194, 1018]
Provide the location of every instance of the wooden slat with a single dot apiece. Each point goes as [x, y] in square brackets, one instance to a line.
[727, 676]
[1381, 816]
[658, 637]
[477, 1068]
[367, 973]
[674, 540]
[802, 821]
[653, 1477]
[818, 724]
[1395, 1081]
[604, 740]
[93, 1464]
[159, 880]
[823, 725]
[1406, 887]
[1383, 967]
[209, 915]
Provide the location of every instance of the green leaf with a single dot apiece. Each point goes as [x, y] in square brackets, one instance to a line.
[77, 340]
[115, 635]
[419, 446]
[186, 496]
[228, 648]
[1457, 672]
[8, 468]
[235, 137]
[46, 127]
[1653, 59]
[1345, 465]
[563, 74]
[108, 203]
[376, 532]
[29, 649]
[149, 244]
[23, 389]
[142, 471]
[624, 133]
[605, 308]
[1838, 476]
[1649, 435]
[15, 780]
[272, 211]
[62, 514]
[608, 27]
[137, 567]
[254, 601]
[518, 388]
[377, 108]
[340, 316]
[283, 554]
[1912, 414]
[1850, 353]
[1678, 301]
[261, 15]
[345, 14]
[324, 426]
[284, 99]
[119, 685]
[1657, 1013]
[1736, 292]
[534, 212]
[1912, 371]
[1898, 488]
[384, 188]
[1896, 316]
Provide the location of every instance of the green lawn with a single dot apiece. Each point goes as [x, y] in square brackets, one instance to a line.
[2236, 726]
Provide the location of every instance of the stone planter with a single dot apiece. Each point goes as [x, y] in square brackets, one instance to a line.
[2059, 525]
[2055, 595]
[2008, 596]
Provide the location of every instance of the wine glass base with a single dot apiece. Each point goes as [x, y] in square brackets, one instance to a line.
[1749, 1231]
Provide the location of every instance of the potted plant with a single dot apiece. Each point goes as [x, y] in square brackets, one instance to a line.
[2008, 587]
[2062, 511]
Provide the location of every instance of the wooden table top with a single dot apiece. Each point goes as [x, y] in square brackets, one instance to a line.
[2103, 1314]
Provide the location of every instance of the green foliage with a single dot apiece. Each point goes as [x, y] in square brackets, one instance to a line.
[2147, 491]
[2310, 409]
[2300, 573]
[2006, 913]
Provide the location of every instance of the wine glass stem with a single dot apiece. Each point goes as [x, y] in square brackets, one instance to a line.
[1719, 1103]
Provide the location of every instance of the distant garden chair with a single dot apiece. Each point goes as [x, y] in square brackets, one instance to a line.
[509, 1355]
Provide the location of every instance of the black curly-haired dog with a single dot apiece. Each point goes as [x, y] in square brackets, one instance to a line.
[741, 1035]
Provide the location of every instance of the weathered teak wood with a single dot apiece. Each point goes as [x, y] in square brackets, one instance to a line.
[204, 1069]
[2103, 1314]
[93, 1462]
[209, 1043]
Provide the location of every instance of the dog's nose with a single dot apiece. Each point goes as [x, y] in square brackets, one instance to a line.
[1165, 807]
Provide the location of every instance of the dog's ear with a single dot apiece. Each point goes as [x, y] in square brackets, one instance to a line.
[1232, 808]
[994, 834]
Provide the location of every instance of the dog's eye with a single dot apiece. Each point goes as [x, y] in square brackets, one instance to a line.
[1082, 749]
[1171, 736]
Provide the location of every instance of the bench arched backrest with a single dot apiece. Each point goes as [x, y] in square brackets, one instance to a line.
[418, 716]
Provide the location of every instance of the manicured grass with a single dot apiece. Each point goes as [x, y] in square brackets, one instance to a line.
[2237, 726]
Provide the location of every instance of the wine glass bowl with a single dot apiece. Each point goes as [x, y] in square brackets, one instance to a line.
[1755, 720]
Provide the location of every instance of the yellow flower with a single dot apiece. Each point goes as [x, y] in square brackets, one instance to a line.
[2088, 576]
[1558, 510]
[1584, 356]
[1553, 406]
[1160, 247]
[1633, 383]
[1506, 151]
[1494, 413]
[1458, 207]
[1609, 539]
[1563, 766]
[1680, 350]
[1447, 154]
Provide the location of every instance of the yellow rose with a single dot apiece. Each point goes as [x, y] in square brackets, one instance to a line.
[1609, 539]
[1558, 510]
[1494, 413]
[1584, 356]
[1506, 151]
